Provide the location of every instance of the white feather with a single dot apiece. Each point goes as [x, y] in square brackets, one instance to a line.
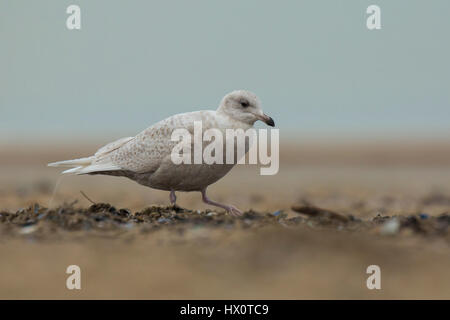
[98, 168]
[72, 163]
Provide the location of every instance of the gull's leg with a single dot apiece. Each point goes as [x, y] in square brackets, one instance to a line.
[173, 197]
[230, 209]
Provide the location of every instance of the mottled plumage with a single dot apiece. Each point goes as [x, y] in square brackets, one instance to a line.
[146, 158]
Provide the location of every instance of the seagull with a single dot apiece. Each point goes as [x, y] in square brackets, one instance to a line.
[146, 157]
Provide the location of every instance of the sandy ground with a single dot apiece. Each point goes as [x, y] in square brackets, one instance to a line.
[240, 259]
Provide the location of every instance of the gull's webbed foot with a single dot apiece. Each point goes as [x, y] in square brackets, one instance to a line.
[232, 210]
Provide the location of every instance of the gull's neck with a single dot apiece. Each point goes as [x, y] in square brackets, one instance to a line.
[231, 122]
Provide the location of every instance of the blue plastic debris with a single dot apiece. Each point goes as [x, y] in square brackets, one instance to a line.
[423, 216]
[277, 213]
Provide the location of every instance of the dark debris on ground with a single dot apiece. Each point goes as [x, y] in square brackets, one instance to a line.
[103, 217]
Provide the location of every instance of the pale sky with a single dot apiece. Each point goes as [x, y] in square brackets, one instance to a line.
[314, 64]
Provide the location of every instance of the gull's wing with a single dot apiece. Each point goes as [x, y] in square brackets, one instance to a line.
[142, 153]
[146, 151]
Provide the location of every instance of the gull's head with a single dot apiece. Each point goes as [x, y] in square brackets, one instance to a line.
[244, 106]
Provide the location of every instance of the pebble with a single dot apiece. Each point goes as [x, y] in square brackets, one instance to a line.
[390, 227]
[28, 229]
[128, 225]
[163, 220]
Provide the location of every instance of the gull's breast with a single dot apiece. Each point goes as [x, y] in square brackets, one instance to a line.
[184, 177]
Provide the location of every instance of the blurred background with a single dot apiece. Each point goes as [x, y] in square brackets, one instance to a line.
[342, 95]
[363, 115]
[316, 67]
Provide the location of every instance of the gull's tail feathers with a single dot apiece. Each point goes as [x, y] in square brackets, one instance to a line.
[84, 166]
[72, 163]
[96, 163]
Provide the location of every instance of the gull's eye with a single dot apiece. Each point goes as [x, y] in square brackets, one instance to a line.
[245, 104]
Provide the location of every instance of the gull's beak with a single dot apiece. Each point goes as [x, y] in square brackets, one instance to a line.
[266, 119]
